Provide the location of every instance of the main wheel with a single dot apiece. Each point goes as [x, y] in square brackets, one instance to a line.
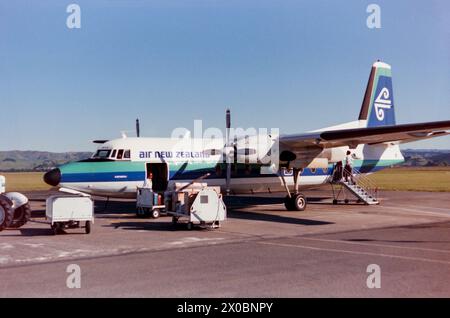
[289, 203]
[156, 213]
[57, 228]
[6, 212]
[299, 202]
[87, 227]
[21, 216]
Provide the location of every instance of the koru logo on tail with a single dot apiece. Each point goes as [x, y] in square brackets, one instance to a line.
[382, 102]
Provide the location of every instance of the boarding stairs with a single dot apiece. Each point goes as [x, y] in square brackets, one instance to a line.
[362, 187]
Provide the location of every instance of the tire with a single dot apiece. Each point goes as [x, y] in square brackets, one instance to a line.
[190, 226]
[299, 202]
[56, 227]
[88, 227]
[21, 216]
[289, 203]
[174, 220]
[156, 213]
[346, 201]
[6, 212]
[335, 201]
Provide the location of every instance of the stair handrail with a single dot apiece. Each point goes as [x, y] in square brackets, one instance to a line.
[366, 183]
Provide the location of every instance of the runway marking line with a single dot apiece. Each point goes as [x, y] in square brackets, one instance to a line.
[354, 252]
[421, 207]
[415, 210]
[377, 245]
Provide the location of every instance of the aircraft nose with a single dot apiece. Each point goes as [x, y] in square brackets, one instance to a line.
[53, 177]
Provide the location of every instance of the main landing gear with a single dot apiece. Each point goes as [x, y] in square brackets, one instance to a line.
[294, 201]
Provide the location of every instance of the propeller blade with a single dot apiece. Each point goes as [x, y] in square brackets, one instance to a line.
[246, 151]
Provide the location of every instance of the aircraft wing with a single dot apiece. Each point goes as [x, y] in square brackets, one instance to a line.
[372, 135]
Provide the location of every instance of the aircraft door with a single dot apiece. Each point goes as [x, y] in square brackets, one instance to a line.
[160, 174]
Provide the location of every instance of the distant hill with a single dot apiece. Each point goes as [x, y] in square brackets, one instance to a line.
[37, 160]
[426, 158]
[43, 161]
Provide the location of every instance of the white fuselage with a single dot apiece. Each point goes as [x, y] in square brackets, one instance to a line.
[120, 166]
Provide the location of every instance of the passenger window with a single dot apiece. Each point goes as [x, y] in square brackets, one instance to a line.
[126, 154]
[120, 154]
[113, 155]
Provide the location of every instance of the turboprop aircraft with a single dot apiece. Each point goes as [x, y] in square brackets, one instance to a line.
[303, 160]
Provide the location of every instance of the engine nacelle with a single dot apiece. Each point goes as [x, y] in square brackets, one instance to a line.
[334, 154]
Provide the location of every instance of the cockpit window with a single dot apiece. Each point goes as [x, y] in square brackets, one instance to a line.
[113, 155]
[126, 154]
[120, 154]
[102, 154]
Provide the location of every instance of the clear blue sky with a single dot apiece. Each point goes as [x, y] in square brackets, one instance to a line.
[294, 65]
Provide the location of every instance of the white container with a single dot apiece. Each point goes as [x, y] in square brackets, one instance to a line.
[203, 207]
[67, 211]
[208, 207]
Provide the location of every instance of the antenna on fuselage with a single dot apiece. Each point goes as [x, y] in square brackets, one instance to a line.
[228, 145]
[138, 132]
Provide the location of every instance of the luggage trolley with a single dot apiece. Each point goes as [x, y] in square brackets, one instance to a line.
[149, 203]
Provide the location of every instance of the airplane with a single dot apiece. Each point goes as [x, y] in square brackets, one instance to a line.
[306, 160]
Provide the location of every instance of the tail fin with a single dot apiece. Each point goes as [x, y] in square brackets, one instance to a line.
[378, 104]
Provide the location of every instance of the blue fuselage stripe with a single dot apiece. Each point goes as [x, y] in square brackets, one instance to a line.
[118, 176]
[103, 176]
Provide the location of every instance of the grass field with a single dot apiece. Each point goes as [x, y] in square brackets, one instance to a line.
[24, 181]
[436, 179]
[400, 179]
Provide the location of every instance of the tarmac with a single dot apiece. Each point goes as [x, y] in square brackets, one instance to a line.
[261, 250]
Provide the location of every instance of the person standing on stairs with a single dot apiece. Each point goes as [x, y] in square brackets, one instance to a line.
[348, 170]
